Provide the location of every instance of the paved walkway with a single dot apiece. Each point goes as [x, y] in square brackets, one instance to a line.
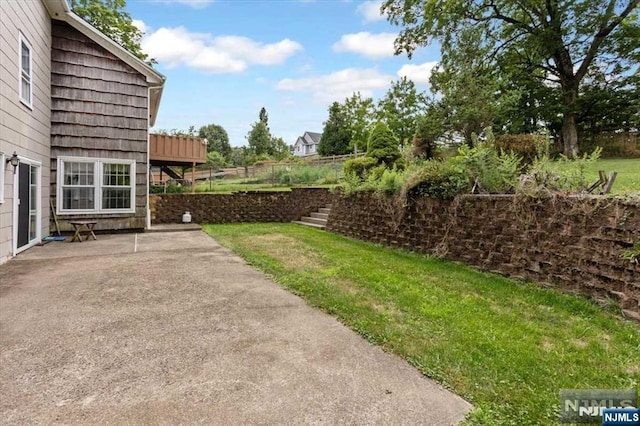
[168, 328]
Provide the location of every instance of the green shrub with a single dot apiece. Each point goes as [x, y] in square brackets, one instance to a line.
[526, 146]
[391, 181]
[383, 145]
[565, 175]
[492, 172]
[442, 179]
[359, 166]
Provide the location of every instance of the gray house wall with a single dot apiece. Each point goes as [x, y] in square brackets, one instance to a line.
[99, 109]
[24, 130]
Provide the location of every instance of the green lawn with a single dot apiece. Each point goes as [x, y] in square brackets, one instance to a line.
[628, 179]
[237, 185]
[507, 347]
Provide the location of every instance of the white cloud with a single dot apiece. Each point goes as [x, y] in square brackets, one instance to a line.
[196, 4]
[139, 24]
[255, 52]
[370, 11]
[226, 54]
[373, 46]
[419, 74]
[338, 85]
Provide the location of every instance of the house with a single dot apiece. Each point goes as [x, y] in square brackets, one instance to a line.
[75, 111]
[307, 144]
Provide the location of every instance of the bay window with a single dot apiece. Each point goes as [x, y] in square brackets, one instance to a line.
[93, 185]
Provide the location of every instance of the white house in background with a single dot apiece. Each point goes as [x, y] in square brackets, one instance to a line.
[75, 110]
[307, 144]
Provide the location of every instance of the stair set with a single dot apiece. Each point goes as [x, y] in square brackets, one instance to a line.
[317, 219]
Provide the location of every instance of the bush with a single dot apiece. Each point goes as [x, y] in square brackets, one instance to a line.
[526, 146]
[383, 146]
[359, 166]
[437, 179]
[391, 181]
[492, 172]
[565, 175]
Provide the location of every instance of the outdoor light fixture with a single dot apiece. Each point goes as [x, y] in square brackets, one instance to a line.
[14, 161]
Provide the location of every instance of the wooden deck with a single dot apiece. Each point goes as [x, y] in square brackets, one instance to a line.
[165, 150]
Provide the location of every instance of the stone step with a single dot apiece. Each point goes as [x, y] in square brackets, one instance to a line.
[315, 220]
[324, 216]
[325, 210]
[313, 225]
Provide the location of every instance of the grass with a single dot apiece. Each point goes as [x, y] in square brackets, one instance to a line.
[227, 186]
[628, 179]
[507, 347]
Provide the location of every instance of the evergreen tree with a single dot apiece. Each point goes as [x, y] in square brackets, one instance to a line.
[336, 135]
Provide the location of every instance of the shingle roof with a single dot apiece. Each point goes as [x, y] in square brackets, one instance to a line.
[315, 137]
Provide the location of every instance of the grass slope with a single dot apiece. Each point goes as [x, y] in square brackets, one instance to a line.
[507, 347]
[628, 179]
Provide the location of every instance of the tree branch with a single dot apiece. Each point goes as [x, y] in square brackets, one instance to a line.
[602, 33]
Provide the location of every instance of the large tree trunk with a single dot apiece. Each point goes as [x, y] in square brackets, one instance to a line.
[569, 134]
[569, 131]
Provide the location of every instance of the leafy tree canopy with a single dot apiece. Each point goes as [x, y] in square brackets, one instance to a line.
[563, 39]
[400, 107]
[217, 139]
[259, 138]
[359, 113]
[110, 18]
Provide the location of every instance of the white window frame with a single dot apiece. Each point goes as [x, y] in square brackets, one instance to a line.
[98, 185]
[3, 169]
[22, 40]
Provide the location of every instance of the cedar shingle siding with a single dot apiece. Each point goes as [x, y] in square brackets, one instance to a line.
[99, 109]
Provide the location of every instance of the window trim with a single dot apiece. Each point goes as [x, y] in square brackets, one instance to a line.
[98, 185]
[3, 169]
[23, 40]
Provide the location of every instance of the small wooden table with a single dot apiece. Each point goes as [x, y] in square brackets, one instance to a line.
[83, 227]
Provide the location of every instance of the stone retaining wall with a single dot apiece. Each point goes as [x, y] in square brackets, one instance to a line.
[573, 243]
[281, 206]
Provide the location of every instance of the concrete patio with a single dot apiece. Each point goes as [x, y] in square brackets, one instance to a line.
[171, 328]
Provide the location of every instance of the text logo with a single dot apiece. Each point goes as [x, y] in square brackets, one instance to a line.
[588, 405]
[621, 417]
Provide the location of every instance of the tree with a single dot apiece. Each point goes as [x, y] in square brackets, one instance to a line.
[278, 148]
[429, 128]
[109, 17]
[359, 113]
[383, 145]
[217, 139]
[400, 107]
[238, 156]
[259, 138]
[471, 89]
[336, 135]
[215, 160]
[562, 38]
[189, 133]
[264, 117]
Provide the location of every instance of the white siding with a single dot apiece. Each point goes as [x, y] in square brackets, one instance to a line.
[23, 130]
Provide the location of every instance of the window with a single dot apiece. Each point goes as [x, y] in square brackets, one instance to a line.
[89, 185]
[26, 72]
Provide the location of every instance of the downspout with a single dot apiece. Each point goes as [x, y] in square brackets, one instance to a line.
[148, 216]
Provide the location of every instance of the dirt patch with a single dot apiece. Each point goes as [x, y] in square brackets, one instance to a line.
[292, 253]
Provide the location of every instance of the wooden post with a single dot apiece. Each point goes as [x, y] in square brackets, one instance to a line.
[193, 178]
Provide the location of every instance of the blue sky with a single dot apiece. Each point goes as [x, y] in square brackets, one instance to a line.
[225, 59]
